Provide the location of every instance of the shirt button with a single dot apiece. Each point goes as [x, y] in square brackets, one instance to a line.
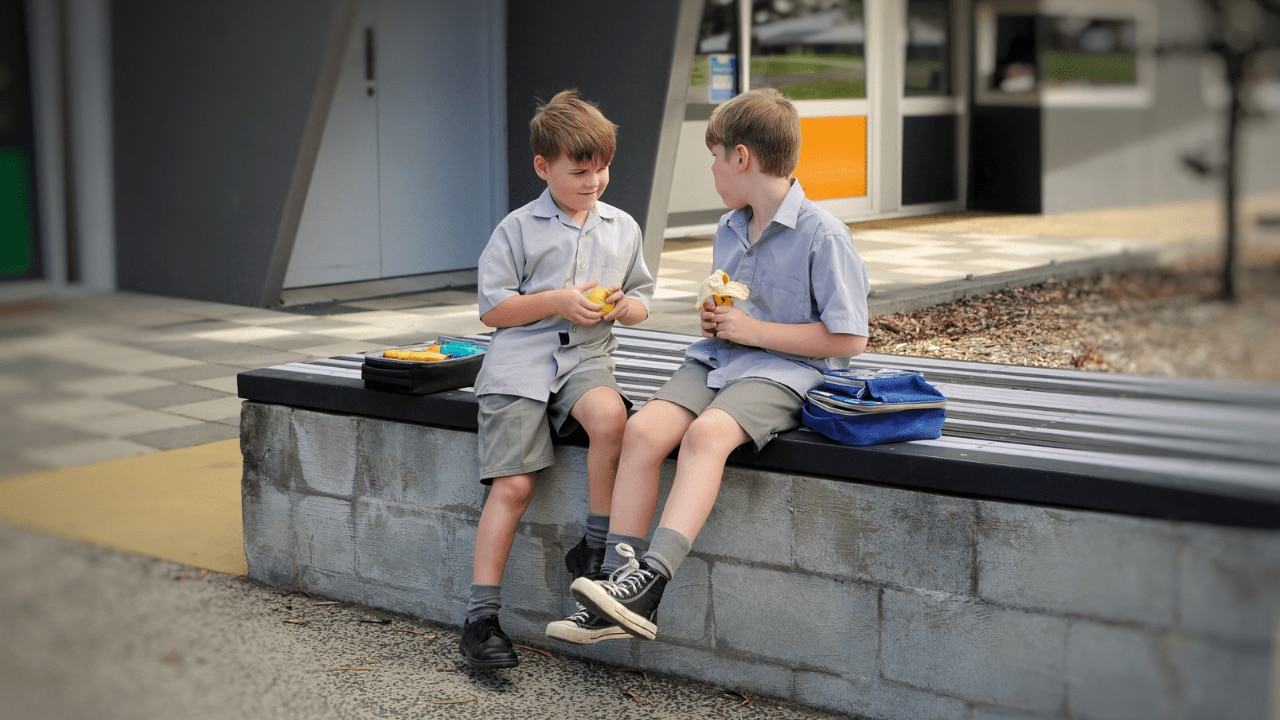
[750, 253]
[575, 329]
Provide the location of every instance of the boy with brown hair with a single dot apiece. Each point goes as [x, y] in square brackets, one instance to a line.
[745, 382]
[548, 367]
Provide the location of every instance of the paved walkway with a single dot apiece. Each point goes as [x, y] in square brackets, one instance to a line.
[120, 466]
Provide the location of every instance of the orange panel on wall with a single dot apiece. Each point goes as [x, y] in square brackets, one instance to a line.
[833, 157]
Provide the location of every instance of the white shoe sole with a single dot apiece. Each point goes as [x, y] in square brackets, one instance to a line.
[594, 598]
[578, 635]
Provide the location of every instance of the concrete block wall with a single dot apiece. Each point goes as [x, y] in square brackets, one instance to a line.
[875, 601]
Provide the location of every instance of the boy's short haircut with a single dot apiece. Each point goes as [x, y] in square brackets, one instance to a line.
[569, 126]
[766, 122]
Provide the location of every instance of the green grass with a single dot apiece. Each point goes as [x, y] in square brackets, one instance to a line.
[1105, 68]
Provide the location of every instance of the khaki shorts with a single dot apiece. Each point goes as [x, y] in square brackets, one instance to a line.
[763, 408]
[515, 431]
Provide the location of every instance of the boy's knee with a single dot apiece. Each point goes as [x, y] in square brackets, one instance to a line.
[713, 431]
[513, 490]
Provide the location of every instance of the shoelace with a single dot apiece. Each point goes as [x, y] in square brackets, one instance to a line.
[581, 617]
[628, 578]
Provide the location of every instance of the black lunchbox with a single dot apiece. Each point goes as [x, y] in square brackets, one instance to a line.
[419, 377]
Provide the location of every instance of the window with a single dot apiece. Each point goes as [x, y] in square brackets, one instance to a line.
[715, 66]
[809, 49]
[928, 61]
[1055, 52]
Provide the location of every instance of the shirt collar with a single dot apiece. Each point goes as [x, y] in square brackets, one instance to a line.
[788, 212]
[546, 207]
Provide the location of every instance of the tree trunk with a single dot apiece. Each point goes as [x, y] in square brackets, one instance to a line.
[1235, 81]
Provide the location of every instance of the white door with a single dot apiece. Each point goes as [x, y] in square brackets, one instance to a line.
[405, 180]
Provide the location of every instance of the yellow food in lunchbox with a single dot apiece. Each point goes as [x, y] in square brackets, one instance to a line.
[427, 355]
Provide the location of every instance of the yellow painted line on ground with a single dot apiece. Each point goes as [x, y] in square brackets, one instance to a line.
[178, 505]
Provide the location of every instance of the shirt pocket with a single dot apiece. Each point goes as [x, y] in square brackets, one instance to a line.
[780, 298]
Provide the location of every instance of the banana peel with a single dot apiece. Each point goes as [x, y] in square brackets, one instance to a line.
[719, 289]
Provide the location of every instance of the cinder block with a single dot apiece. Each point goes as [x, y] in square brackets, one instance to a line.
[1120, 673]
[874, 699]
[761, 500]
[1229, 583]
[526, 588]
[410, 547]
[1225, 680]
[989, 713]
[270, 544]
[266, 444]
[560, 493]
[883, 535]
[326, 446]
[685, 614]
[733, 673]
[418, 465]
[968, 649]
[326, 539]
[1063, 562]
[792, 619]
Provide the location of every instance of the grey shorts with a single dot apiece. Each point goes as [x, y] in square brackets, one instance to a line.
[515, 432]
[763, 408]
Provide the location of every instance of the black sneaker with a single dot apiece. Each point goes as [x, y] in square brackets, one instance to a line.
[585, 628]
[582, 561]
[486, 646]
[628, 598]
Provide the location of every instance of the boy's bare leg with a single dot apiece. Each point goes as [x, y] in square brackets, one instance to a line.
[651, 435]
[699, 467]
[508, 499]
[604, 416]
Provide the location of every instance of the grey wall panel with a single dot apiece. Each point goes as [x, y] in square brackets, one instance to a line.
[1005, 169]
[620, 55]
[929, 159]
[211, 105]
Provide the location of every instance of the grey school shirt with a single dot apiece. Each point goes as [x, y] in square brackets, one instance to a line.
[537, 248]
[801, 269]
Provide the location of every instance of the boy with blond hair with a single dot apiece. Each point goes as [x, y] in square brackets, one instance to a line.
[745, 381]
[548, 367]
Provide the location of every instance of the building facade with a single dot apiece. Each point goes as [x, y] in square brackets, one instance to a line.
[237, 150]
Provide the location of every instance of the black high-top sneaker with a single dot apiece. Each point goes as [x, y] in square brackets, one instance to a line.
[486, 646]
[629, 598]
[584, 627]
[582, 561]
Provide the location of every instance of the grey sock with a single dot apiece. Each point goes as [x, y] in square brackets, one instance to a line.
[597, 530]
[668, 549]
[612, 560]
[485, 600]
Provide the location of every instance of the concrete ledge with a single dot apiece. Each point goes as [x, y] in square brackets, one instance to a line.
[870, 600]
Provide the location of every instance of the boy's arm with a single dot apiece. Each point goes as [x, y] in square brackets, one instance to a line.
[569, 303]
[806, 339]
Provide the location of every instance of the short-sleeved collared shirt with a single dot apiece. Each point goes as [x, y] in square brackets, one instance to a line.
[802, 269]
[537, 248]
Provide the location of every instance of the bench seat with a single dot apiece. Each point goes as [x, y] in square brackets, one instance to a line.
[1168, 448]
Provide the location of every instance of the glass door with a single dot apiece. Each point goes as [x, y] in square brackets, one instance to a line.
[878, 92]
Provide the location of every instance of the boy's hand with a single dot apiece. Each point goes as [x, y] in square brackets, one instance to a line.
[620, 302]
[728, 323]
[571, 303]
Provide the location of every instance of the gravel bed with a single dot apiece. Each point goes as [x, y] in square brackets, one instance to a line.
[1165, 321]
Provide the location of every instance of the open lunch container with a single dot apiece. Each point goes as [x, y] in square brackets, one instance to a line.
[423, 377]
